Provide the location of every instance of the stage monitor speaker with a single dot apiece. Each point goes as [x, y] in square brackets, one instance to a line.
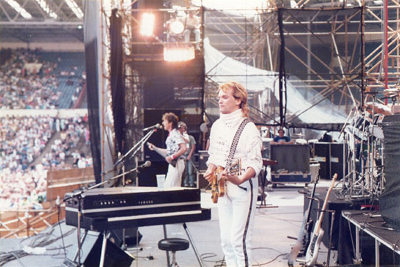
[389, 201]
[132, 236]
[90, 253]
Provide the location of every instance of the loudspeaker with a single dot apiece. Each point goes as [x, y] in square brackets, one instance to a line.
[290, 157]
[132, 236]
[321, 154]
[389, 201]
[330, 157]
[90, 253]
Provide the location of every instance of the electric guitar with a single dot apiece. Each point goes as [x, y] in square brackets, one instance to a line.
[218, 183]
[316, 238]
[303, 239]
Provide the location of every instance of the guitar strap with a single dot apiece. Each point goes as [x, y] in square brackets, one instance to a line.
[234, 144]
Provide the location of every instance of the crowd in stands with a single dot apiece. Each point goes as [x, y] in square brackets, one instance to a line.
[33, 145]
[30, 147]
[30, 82]
[27, 82]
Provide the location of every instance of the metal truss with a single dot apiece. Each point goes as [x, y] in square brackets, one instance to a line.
[255, 42]
[42, 26]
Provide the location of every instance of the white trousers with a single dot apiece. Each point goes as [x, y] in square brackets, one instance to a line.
[196, 34]
[174, 174]
[236, 210]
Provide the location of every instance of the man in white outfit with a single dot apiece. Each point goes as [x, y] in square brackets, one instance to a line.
[173, 154]
[236, 209]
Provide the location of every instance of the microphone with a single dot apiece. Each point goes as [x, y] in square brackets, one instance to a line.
[145, 165]
[156, 126]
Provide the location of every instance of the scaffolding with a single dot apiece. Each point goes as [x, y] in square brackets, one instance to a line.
[339, 51]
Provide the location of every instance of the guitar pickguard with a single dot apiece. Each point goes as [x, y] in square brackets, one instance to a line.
[218, 184]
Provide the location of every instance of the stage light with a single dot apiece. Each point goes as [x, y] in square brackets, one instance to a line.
[147, 24]
[176, 27]
[178, 52]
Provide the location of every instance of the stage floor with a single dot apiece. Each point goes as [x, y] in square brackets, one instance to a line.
[280, 218]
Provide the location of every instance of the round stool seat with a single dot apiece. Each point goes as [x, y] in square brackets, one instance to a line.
[173, 244]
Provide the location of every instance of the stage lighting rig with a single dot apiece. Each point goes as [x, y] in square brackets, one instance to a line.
[147, 24]
[176, 27]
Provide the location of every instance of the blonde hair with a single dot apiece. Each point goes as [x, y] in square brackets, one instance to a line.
[239, 92]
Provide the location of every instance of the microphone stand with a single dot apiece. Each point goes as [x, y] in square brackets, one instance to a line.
[78, 196]
[136, 149]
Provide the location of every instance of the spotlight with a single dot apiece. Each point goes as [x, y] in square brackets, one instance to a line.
[178, 52]
[176, 27]
[147, 24]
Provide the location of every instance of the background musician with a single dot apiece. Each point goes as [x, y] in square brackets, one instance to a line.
[176, 147]
[188, 175]
[282, 138]
[237, 207]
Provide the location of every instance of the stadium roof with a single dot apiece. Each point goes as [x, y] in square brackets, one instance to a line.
[41, 21]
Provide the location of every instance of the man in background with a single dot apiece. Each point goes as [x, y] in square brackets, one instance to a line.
[191, 147]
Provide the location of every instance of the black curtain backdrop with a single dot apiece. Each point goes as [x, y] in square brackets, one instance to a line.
[90, 39]
[117, 81]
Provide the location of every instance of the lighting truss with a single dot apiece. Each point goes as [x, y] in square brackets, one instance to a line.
[75, 8]
[46, 8]
[20, 10]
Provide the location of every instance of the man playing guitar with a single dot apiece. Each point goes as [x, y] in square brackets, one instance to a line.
[173, 154]
[236, 208]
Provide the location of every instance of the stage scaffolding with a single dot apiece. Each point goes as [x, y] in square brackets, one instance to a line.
[337, 50]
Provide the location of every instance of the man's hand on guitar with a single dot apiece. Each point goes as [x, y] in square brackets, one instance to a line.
[169, 159]
[208, 175]
[233, 178]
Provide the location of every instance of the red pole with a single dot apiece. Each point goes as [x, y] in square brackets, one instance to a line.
[385, 59]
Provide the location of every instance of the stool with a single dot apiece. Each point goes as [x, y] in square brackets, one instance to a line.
[173, 245]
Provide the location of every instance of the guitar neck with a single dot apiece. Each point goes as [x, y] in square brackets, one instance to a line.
[321, 216]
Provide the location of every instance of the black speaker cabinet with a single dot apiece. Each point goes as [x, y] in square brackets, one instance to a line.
[90, 253]
[390, 201]
[203, 157]
[321, 155]
[131, 236]
[292, 158]
[330, 157]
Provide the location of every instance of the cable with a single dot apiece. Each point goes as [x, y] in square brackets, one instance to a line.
[274, 259]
